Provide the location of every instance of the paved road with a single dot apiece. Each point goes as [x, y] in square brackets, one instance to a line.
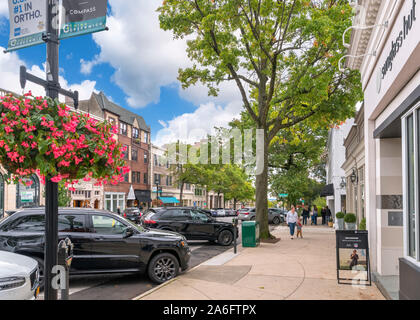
[125, 287]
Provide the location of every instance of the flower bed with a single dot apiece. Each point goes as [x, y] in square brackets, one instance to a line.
[40, 135]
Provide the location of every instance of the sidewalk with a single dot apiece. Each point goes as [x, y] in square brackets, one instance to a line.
[290, 269]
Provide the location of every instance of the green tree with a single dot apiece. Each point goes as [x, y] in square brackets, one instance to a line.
[64, 197]
[239, 188]
[282, 55]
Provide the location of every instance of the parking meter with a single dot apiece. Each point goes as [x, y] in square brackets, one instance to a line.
[65, 257]
[235, 233]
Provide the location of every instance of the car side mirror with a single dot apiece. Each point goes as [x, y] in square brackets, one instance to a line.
[128, 232]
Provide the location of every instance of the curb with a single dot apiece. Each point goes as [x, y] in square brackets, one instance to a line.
[139, 297]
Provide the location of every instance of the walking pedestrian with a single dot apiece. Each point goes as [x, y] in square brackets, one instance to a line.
[323, 215]
[328, 214]
[305, 215]
[291, 220]
[299, 228]
[315, 215]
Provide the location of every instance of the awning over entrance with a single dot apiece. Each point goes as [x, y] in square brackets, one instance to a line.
[143, 195]
[167, 200]
[131, 195]
[328, 190]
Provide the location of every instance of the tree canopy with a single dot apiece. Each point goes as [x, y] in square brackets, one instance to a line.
[283, 56]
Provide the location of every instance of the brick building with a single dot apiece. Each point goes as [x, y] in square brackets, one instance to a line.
[135, 135]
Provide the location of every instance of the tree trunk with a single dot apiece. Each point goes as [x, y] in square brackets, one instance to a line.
[181, 193]
[261, 185]
[234, 204]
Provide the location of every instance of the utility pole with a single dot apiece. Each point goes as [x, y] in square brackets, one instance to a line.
[51, 194]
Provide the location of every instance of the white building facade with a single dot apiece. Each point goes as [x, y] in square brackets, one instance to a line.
[336, 194]
[388, 57]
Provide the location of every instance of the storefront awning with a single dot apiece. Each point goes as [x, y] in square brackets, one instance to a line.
[169, 200]
[328, 190]
[143, 195]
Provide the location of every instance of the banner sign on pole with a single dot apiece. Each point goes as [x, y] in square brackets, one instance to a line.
[81, 17]
[353, 256]
[27, 23]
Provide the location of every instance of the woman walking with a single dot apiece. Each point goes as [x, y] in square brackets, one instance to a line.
[315, 216]
[291, 219]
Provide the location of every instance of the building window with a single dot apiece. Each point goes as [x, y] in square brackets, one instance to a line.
[125, 153]
[134, 154]
[123, 128]
[146, 137]
[114, 201]
[145, 179]
[155, 159]
[146, 157]
[411, 194]
[135, 133]
[157, 179]
[112, 121]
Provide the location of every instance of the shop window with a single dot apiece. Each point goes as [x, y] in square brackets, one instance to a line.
[27, 193]
[411, 194]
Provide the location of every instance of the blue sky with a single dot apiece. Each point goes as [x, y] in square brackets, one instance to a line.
[135, 64]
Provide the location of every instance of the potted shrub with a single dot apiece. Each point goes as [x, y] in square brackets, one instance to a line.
[350, 221]
[362, 225]
[331, 222]
[339, 216]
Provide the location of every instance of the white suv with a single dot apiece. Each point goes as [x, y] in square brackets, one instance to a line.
[19, 277]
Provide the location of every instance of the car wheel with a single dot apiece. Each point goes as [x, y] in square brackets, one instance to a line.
[276, 220]
[163, 267]
[41, 271]
[225, 238]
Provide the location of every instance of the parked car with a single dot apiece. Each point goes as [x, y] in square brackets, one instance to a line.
[192, 223]
[19, 277]
[246, 214]
[281, 211]
[221, 212]
[104, 242]
[275, 216]
[230, 212]
[133, 214]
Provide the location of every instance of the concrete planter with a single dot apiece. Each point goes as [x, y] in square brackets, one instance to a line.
[350, 226]
[340, 223]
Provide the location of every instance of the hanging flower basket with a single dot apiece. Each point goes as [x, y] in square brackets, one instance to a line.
[40, 135]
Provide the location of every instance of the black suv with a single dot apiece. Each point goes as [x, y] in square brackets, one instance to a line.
[103, 243]
[193, 223]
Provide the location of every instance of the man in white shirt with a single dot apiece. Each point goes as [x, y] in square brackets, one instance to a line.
[291, 219]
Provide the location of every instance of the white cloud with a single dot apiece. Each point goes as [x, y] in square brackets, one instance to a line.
[144, 56]
[191, 127]
[4, 8]
[87, 66]
[9, 79]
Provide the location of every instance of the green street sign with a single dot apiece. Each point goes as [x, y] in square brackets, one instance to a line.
[283, 195]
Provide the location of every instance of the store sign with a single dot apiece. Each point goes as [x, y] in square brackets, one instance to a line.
[396, 44]
[81, 17]
[27, 196]
[27, 23]
[353, 255]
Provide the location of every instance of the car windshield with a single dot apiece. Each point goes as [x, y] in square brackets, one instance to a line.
[135, 226]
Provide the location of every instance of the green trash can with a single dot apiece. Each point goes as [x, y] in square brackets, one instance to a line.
[250, 234]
